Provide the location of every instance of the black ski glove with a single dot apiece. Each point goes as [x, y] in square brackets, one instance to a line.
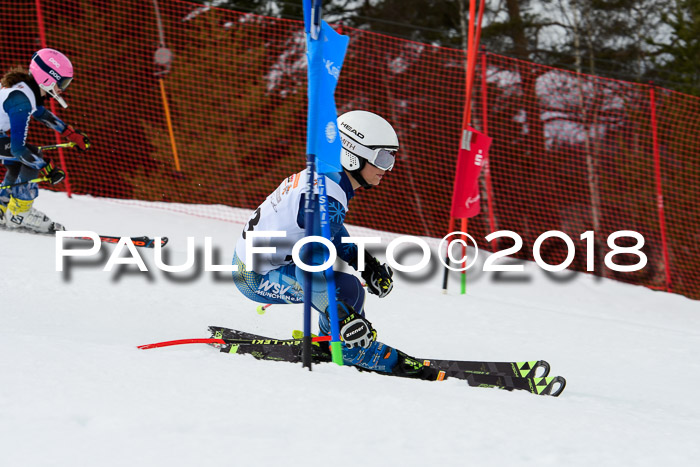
[54, 175]
[356, 331]
[377, 276]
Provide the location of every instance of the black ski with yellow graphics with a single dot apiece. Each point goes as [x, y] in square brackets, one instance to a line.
[452, 368]
[547, 386]
[461, 368]
[267, 348]
[504, 375]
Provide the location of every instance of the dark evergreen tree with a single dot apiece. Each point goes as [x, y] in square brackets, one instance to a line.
[624, 39]
[679, 59]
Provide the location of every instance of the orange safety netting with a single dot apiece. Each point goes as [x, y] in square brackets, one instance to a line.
[571, 152]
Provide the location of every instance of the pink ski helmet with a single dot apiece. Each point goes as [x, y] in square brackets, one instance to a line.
[51, 69]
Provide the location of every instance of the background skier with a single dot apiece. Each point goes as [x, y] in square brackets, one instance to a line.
[21, 97]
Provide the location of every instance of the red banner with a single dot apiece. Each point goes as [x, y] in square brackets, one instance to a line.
[473, 154]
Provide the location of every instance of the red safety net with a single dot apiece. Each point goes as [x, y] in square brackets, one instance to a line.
[571, 152]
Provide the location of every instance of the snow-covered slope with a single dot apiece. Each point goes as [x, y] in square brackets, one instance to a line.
[75, 390]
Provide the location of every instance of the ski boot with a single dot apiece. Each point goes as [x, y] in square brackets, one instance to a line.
[20, 213]
[409, 367]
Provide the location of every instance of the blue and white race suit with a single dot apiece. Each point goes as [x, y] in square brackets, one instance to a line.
[17, 104]
[274, 278]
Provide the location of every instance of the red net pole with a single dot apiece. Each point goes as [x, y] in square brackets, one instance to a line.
[471, 59]
[52, 103]
[485, 128]
[659, 188]
[473, 35]
[472, 45]
[465, 122]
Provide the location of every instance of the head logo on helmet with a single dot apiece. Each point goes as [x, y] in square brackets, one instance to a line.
[52, 71]
[366, 137]
[353, 131]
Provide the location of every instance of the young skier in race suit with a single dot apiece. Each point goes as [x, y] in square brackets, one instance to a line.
[369, 143]
[22, 94]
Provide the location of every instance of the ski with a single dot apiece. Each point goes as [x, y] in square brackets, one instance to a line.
[142, 242]
[503, 375]
[453, 368]
[267, 348]
[461, 368]
[476, 374]
[548, 386]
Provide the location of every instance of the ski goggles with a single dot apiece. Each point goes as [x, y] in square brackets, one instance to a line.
[381, 158]
[63, 83]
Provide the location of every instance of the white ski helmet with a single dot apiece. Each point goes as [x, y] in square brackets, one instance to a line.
[366, 137]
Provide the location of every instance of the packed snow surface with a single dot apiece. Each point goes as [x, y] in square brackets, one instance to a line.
[75, 390]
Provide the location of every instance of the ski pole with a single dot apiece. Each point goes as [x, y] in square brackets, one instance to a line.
[41, 179]
[57, 146]
[36, 180]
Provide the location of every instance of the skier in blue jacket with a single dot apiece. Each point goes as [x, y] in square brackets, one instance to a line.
[369, 143]
[22, 94]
